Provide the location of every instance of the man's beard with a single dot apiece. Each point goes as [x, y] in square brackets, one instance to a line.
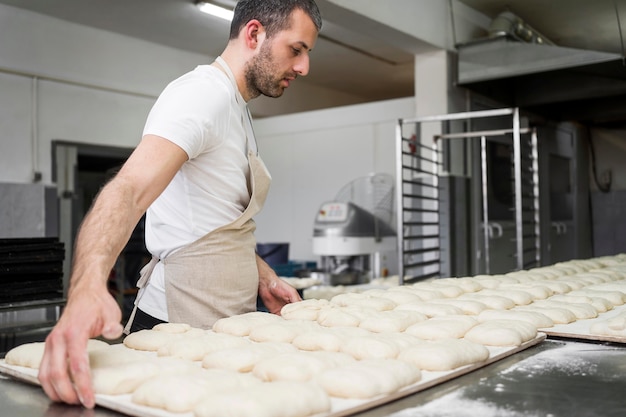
[260, 78]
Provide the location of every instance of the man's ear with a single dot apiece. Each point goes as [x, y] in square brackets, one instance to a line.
[254, 33]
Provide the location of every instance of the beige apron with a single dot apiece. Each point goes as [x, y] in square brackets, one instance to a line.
[216, 276]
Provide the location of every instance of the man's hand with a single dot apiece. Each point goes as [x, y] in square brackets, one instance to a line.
[64, 372]
[274, 292]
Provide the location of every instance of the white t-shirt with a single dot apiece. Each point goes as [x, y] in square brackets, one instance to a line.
[203, 113]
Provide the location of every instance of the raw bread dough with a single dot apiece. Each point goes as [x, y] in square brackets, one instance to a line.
[337, 317]
[369, 347]
[180, 393]
[282, 331]
[29, 355]
[556, 314]
[149, 340]
[242, 324]
[615, 327]
[297, 366]
[398, 297]
[323, 339]
[363, 300]
[448, 290]
[303, 310]
[296, 399]
[391, 321]
[616, 298]
[581, 311]
[470, 307]
[495, 302]
[502, 333]
[423, 293]
[539, 320]
[602, 305]
[519, 297]
[467, 284]
[557, 287]
[195, 348]
[444, 327]
[430, 309]
[368, 378]
[122, 378]
[444, 355]
[537, 292]
[172, 327]
[243, 359]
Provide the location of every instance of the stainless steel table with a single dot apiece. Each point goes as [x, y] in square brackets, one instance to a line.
[553, 379]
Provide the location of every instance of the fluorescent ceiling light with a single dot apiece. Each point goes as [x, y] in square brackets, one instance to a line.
[215, 10]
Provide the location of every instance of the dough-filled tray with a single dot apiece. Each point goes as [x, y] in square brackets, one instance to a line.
[580, 329]
[340, 407]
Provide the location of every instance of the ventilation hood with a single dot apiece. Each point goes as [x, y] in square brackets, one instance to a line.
[552, 81]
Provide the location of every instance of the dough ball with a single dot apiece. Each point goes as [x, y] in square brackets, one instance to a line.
[580, 310]
[242, 324]
[303, 310]
[149, 340]
[326, 340]
[444, 355]
[195, 348]
[495, 302]
[469, 307]
[368, 378]
[616, 298]
[122, 378]
[296, 399]
[370, 347]
[467, 284]
[602, 305]
[444, 327]
[243, 359]
[615, 327]
[502, 333]
[431, 309]
[172, 327]
[337, 317]
[391, 321]
[363, 300]
[424, 294]
[448, 290]
[518, 297]
[398, 297]
[557, 315]
[537, 319]
[297, 366]
[180, 393]
[537, 292]
[282, 331]
[29, 355]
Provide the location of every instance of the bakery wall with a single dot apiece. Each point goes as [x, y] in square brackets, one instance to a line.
[607, 205]
[312, 155]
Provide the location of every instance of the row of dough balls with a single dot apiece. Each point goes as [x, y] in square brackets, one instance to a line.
[181, 386]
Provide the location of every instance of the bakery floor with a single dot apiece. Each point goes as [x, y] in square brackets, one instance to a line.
[557, 378]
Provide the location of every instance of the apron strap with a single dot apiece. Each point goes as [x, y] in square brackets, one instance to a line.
[144, 278]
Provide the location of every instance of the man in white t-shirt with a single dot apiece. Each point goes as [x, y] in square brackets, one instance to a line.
[197, 175]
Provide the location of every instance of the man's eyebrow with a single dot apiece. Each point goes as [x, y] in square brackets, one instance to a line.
[304, 45]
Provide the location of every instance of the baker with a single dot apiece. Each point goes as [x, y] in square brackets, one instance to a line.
[198, 175]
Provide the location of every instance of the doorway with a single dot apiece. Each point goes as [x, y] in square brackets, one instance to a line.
[80, 172]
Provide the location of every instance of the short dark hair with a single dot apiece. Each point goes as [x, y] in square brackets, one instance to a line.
[273, 14]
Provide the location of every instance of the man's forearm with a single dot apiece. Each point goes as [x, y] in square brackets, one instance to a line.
[103, 234]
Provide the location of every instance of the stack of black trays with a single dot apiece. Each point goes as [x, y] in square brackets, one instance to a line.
[31, 269]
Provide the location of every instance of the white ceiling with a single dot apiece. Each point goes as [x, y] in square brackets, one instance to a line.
[344, 59]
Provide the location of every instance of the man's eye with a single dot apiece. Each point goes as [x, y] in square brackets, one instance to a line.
[296, 51]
